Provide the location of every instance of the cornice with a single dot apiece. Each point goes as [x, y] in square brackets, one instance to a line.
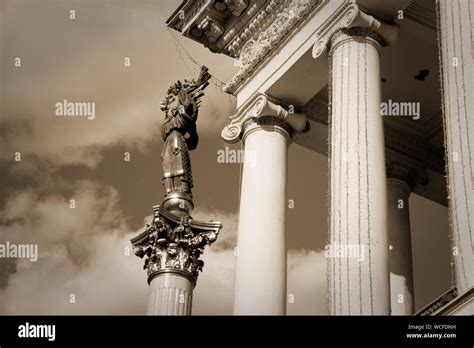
[249, 24]
[257, 49]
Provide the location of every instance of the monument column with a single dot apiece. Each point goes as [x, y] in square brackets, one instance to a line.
[265, 129]
[174, 242]
[456, 66]
[359, 264]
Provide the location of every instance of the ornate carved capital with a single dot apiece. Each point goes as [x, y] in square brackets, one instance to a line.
[173, 244]
[409, 172]
[352, 17]
[260, 110]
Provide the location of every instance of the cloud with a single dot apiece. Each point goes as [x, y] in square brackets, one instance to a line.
[214, 292]
[126, 98]
[307, 282]
[228, 235]
[85, 252]
[306, 278]
[81, 253]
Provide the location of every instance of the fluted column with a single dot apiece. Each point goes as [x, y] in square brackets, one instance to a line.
[456, 64]
[402, 176]
[400, 259]
[170, 294]
[358, 261]
[400, 179]
[358, 182]
[260, 280]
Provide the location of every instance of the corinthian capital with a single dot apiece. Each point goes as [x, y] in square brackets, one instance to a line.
[174, 244]
[260, 110]
[352, 17]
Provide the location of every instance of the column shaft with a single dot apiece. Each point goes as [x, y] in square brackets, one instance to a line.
[359, 277]
[400, 261]
[260, 282]
[170, 294]
[456, 63]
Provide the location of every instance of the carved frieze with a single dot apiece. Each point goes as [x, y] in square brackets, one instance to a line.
[257, 49]
[247, 28]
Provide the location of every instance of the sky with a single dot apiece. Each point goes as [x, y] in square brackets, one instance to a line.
[85, 251]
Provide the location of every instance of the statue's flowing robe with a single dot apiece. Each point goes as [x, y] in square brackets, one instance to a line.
[179, 133]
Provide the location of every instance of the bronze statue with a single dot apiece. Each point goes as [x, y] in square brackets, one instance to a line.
[180, 135]
[174, 241]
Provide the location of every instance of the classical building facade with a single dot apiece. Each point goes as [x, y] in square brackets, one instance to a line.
[311, 72]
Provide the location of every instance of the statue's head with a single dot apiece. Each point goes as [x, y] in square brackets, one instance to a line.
[193, 88]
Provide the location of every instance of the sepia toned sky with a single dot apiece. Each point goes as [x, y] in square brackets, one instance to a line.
[82, 250]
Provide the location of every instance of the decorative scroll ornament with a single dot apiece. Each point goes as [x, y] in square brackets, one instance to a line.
[174, 244]
[351, 16]
[260, 108]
